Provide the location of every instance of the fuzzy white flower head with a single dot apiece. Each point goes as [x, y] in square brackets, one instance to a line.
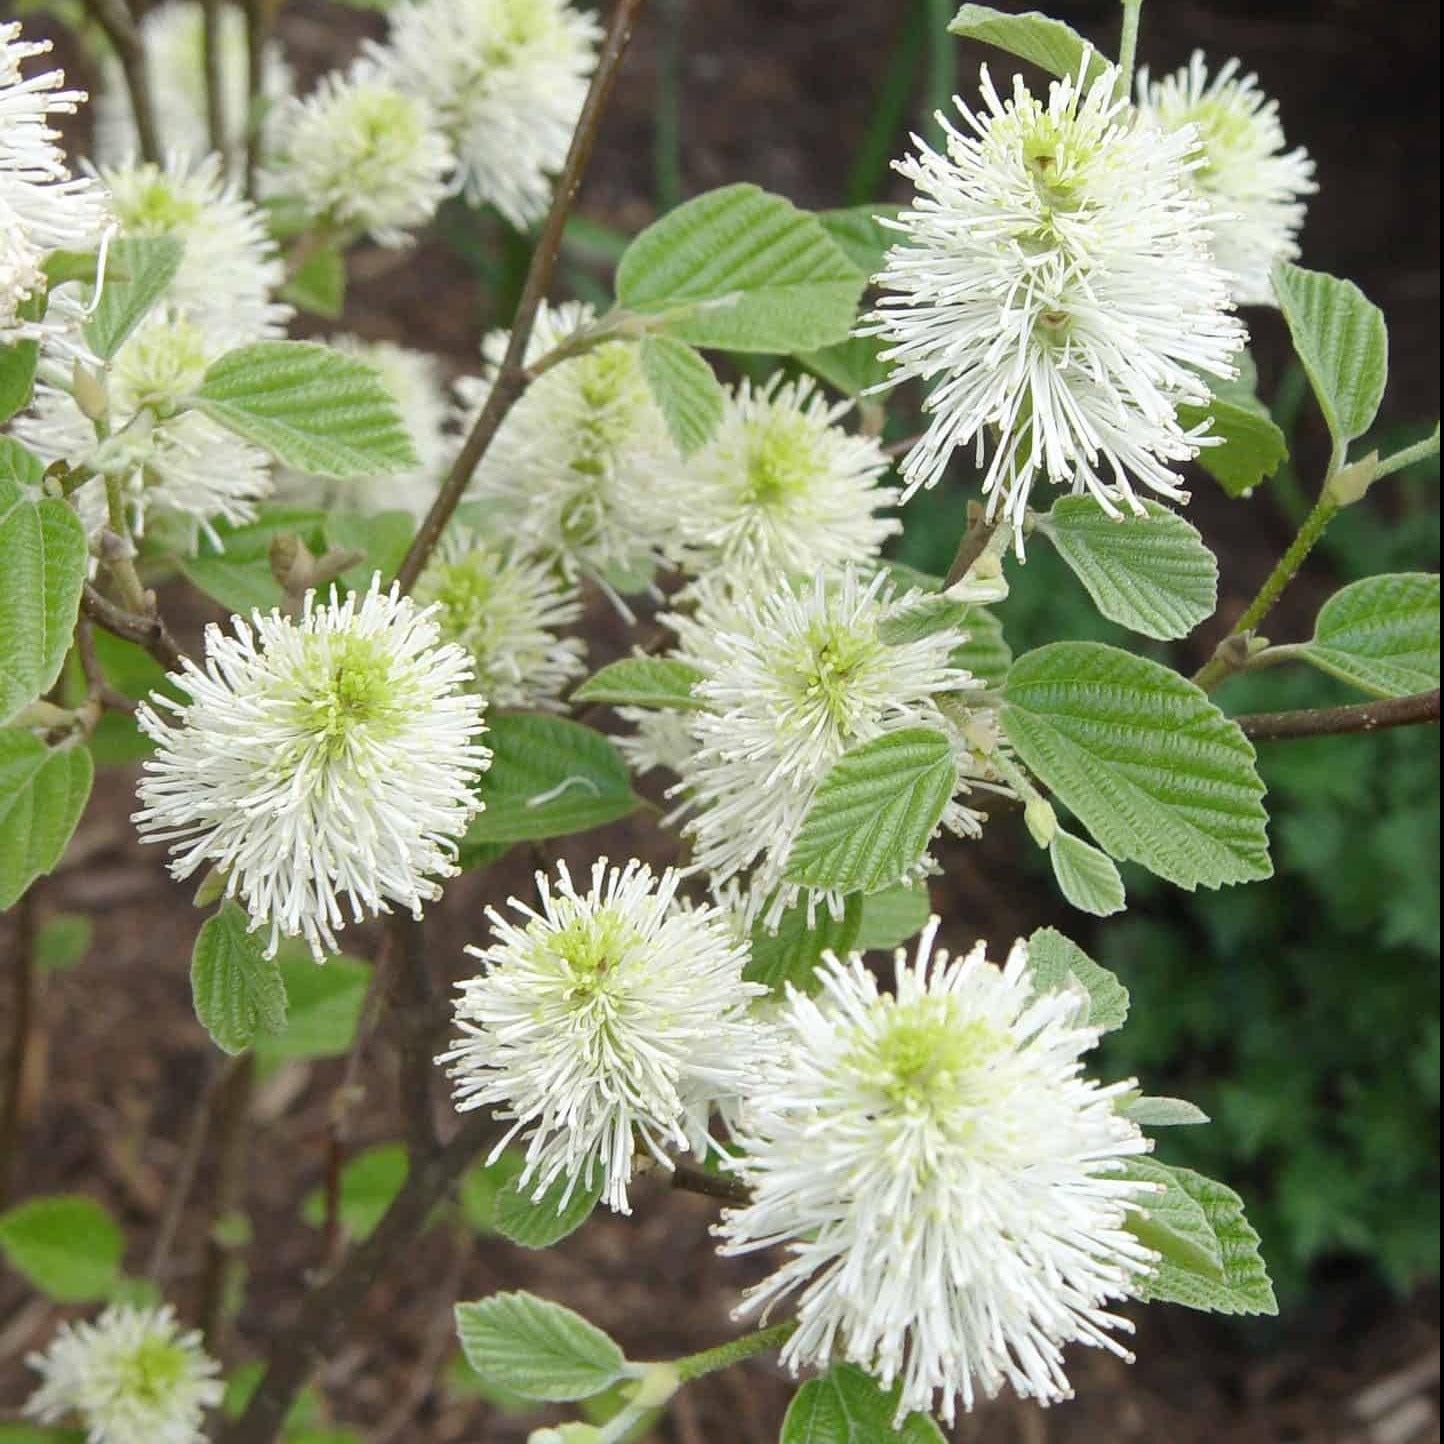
[1253, 184]
[173, 35]
[505, 611]
[230, 269]
[583, 468]
[506, 80]
[42, 207]
[792, 678]
[364, 156]
[782, 489]
[320, 762]
[1054, 285]
[132, 1377]
[943, 1178]
[604, 1025]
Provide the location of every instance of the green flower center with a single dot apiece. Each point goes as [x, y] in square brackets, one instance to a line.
[592, 949]
[354, 690]
[155, 208]
[925, 1057]
[780, 461]
[153, 1371]
[834, 659]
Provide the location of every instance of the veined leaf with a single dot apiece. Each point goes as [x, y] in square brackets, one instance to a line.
[893, 916]
[1381, 634]
[1164, 1113]
[848, 1406]
[1086, 876]
[547, 1220]
[1057, 962]
[537, 1349]
[792, 953]
[67, 1245]
[43, 791]
[143, 267]
[1252, 447]
[17, 376]
[1045, 42]
[861, 234]
[237, 992]
[686, 390]
[642, 682]
[1173, 1222]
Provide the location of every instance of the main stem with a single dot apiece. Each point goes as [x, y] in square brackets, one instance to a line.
[511, 378]
[22, 1006]
[1128, 44]
[1420, 708]
[734, 1351]
[121, 30]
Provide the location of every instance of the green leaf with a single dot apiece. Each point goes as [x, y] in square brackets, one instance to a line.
[548, 1220]
[63, 940]
[1244, 1287]
[848, 1406]
[861, 235]
[236, 569]
[893, 916]
[985, 654]
[369, 1182]
[34, 1434]
[874, 812]
[1252, 447]
[1343, 343]
[312, 408]
[642, 682]
[1140, 755]
[1164, 1113]
[17, 466]
[925, 617]
[42, 794]
[1086, 876]
[537, 1349]
[319, 283]
[852, 366]
[1381, 634]
[383, 537]
[1056, 962]
[747, 270]
[237, 992]
[324, 1004]
[482, 1185]
[686, 390]
[67, 1245]
[792, 953]
[17, 376]
[144, 267]
[43, 559]
[1173, 1222]
[549, 777]
[1047, 43]
[1151, 574]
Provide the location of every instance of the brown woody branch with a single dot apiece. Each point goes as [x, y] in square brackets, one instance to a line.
[115, 21]
[1422, 707]
[148, 632]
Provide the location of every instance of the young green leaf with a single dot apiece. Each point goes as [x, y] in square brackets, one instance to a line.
[67, 1245]
[1057, 962]
[549, 777]
[382, 538]
[323, 1006]
[1251, 445]
[1086, 876]
[318, 284]
[62, 941]
[926, 617]
[861, 234]
[547, 1221]
[874, 812]
[235, 568]
[892, 917]
[1140, 755]
[17, 376]
[848, 1406]
[1164, 1113]
[985, 654]
[537, 1349]
[792, 953]
[1381, 634]
[1343, 343]
[42, 794]
[1151, 574]
[686, 390]
[369, 1182]
[1245, 1287]
[1173, 1222]
[142, 267]
[482, 1185]
[746, 271]
[311, 407]
[853, 366]
[43, 559]
[1047, 43]
[642, 682]
[36, 1434]
[237, 992]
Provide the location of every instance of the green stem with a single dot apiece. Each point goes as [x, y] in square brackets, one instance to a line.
[1420, 451]
[694, 1366]
[1128, 45]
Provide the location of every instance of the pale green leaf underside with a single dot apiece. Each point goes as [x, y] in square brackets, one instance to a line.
[237, 992]
[1045, 42]
[686, 390]
[1173, 1222]
[1252, 447]
[792, 953]
[847, 1406]
[1164, 1113]
[42, 794]
[537, 1349]
[1150, 766]
[1381, 634]
[1057, 962]
[1087, 877]
[548, 1220]
[874, 812]
[67, 1245]
[642, 682]
[1151, 574]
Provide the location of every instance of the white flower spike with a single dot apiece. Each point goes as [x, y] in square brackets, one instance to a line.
[132, 1377]
[321, 765]
[1054, 286]
[1253, 183]
[942, 1178]
[603, 1026]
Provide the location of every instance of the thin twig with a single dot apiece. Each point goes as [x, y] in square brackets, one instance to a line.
[510, 379]
[148, 632]
[258, 25]
[413, 1007]
[124, 36]
[692, 1179]
[330, 1309]
[233, 1145]
[1421, 707]
[973, 544]
[215, 79]
[22, 1005]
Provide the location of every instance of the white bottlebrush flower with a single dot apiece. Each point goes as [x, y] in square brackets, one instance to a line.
[583, 469]
[506, 80]
[943, 1179]
[132, 1377]
[505, 611]
[173, 35]
[43, 208]
[1252, 183]
[662, 738]
[320, 765]
[782, 489]
[604, 1025]
[363, 156]
[230, 269]
[792, 678]
[1054, 285]
[177, 464]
